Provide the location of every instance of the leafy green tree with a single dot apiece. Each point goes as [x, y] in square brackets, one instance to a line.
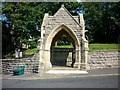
[24, 19]
[99, 21]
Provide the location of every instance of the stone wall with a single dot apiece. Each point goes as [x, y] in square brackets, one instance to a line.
[31, 65]
[103, 59]
[96, 60]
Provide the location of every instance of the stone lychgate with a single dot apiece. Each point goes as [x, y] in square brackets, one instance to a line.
[62, 22]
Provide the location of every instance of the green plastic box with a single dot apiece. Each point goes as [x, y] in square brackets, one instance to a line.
[19, 70]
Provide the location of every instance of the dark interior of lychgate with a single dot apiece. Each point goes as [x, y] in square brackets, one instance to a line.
[62, 56]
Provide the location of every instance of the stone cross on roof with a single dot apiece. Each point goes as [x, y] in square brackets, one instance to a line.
[62, 5]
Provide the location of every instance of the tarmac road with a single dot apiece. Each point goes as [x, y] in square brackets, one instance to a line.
[106, 78]
[86, 82]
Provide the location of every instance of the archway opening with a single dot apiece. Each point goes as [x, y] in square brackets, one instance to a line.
[62, 50]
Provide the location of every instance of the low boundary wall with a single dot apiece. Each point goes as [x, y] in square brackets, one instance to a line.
[96, 60]
[9, 64]
[104, 59]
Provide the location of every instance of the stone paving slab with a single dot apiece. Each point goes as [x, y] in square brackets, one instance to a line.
[67, 72]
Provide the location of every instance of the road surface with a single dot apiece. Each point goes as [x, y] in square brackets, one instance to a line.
[106, 78]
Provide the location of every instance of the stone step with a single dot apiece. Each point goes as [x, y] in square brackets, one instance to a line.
[63, 68]
[66, 72]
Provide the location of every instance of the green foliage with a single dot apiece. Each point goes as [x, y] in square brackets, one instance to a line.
[30, 51]
[63, 40]
[102, 20]
[31, 42]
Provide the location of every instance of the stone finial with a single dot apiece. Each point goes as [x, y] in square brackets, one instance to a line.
[45, 19]
[62, 5]
[81, 19]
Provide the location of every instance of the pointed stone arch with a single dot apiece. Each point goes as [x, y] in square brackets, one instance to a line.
[49, 40]
[56, 30]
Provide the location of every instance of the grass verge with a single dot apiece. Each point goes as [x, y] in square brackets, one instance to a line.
[92, 47]
[97, 46]
[30, 51]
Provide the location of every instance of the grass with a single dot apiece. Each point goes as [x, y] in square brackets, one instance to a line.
[92, 47]
[64, 46]
[30, 51]
[25, 52]
[97, 46]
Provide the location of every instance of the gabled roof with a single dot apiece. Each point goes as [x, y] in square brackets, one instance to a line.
[64, 10]
[61, 11]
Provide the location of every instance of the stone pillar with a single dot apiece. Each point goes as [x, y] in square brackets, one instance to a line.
[47, 62]
[86, 57]
[40, 56]
[82, 24]
[78, 58]
[84, 46]
[40, 50]
[69, 59]
[75, 57]
[84, 53]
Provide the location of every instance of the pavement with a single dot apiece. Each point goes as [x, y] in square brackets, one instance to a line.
[91, 73]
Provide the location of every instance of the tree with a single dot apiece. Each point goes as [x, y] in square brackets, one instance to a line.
[99, 21]
[25, 18]
[21, 21]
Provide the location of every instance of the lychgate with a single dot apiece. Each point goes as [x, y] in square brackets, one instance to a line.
[62, 22]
